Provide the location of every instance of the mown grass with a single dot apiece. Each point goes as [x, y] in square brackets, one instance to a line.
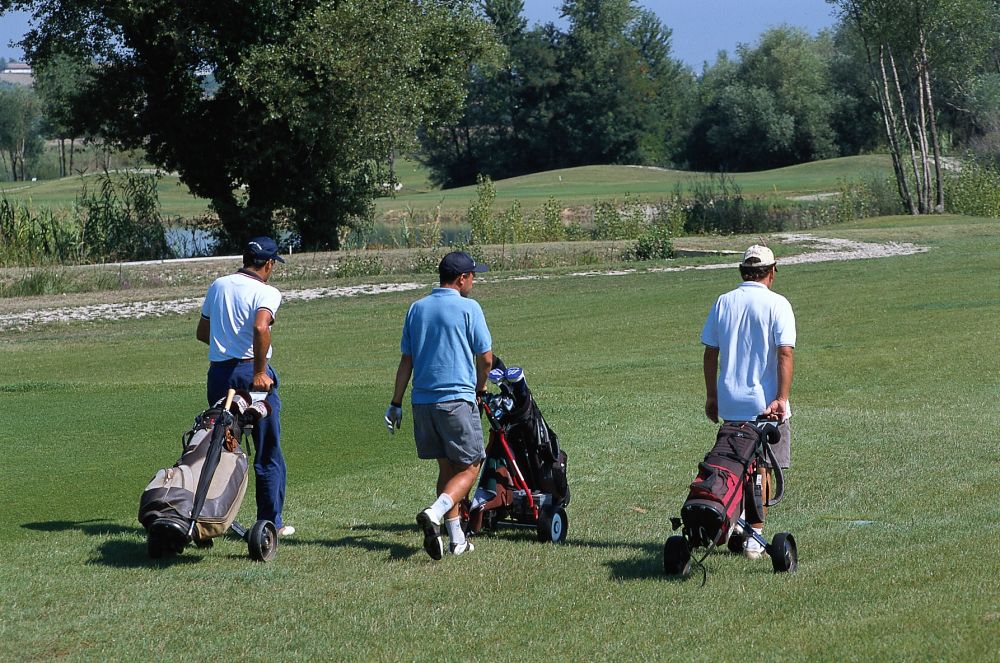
[572, 187]
[891, 495]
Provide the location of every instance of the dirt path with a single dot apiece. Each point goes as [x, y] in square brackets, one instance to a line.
[826, 250]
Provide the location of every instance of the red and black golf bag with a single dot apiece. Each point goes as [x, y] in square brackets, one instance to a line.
[727, 484]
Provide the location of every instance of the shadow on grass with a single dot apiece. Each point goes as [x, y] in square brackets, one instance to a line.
[374, 542]
[94, 527]
[122, 554]
[116, 552]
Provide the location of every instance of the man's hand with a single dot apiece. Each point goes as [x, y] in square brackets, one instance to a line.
[393, 417]
[262, 382]
[712, 409]
[777, 410]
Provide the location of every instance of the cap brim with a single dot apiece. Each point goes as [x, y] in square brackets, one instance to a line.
[481, 268]
[278, 258]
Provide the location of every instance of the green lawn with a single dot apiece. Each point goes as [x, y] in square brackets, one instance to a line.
[571, 187]
[891, 495]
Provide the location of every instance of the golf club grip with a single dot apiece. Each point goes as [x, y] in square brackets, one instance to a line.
[229, 399]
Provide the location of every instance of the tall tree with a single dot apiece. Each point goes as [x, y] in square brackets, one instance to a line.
[312, 94]
[909, 44]
[20, 125]
[58, 83]
[772, 107]
[605, 91]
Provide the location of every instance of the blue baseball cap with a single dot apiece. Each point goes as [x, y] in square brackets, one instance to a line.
[263, 248]
[456, 263]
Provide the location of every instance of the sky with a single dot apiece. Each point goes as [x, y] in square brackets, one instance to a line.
[700, 29]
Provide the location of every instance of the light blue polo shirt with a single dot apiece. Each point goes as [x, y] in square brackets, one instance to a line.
[231, 307]
[443, 333]
[748, 325]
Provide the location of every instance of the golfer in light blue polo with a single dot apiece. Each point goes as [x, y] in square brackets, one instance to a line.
[447, 350]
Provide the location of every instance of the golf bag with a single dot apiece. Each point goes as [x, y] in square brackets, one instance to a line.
[198, 498]
[727, 483]
[524, 475]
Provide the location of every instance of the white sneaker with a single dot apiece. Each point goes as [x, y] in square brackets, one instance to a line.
[286, 530]
[752, 549]
[459, 548]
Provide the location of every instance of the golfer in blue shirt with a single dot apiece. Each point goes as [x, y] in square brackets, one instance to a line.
[447, 350]
[236, 320]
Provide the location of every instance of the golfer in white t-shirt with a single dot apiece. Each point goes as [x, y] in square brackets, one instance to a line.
[236, 320]
[749, 340]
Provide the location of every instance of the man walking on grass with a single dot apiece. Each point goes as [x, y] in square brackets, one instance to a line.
[236, 320]
[749, 340]
[447, 350]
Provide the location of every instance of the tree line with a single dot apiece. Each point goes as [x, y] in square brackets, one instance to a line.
[311, 100]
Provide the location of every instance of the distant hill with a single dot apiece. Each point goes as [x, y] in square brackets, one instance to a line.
[571, 187]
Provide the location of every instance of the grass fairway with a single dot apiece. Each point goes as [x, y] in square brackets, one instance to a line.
[572, 187]
[892, 496]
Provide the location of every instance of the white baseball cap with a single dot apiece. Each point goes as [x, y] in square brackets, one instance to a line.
[760, 255]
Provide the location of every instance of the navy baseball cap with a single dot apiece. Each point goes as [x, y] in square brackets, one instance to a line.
[263, 248]
[456, 263]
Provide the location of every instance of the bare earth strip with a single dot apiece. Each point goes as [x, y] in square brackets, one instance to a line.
[827, 250]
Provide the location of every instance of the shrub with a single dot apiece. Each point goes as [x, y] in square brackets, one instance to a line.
[973, 189]
[120, 220]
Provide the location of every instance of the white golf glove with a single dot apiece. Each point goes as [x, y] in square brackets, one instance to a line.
[393, 417]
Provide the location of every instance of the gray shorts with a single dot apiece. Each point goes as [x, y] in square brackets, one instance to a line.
[451, 430]
[783, 450]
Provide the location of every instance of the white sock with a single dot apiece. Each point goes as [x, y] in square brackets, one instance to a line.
[441, 506]
[455, 532]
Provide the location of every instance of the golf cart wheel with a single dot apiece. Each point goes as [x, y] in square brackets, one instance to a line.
[552, 526]
[676, 557]
[262, 541]
[736, 542]
[784, 553]
[155, 547]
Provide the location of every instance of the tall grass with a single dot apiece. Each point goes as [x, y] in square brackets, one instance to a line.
[116, 217]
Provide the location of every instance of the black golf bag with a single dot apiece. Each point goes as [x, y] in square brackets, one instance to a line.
[198, 498]
[523, 480]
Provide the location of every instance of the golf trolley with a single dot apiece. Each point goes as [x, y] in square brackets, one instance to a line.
[198, 498]
[523, 479]
[726, 497]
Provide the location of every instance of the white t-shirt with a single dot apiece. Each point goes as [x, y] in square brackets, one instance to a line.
[231, 307]
[748, 325]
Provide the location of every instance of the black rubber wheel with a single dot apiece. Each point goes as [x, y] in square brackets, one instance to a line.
[784, 553]
[552, 526]
[154, 546]
[736, 542]
[262, 541]
[676, 557]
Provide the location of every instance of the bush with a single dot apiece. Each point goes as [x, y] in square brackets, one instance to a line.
[973, 189]
[121, 218]
[656, 243]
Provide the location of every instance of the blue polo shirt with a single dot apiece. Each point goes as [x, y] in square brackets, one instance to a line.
[443, 333]
[748, 325]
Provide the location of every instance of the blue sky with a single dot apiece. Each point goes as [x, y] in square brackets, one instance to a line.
[700, 29]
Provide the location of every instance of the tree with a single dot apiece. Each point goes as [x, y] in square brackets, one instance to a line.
[606, 91]
[312, 94]
[20, 121]
[58, 83]
[773, 107]
[908, 45]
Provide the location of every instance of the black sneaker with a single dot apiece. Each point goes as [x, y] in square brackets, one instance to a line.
[432, 534]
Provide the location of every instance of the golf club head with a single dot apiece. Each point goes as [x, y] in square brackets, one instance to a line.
[514, 374]
[496, 375]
